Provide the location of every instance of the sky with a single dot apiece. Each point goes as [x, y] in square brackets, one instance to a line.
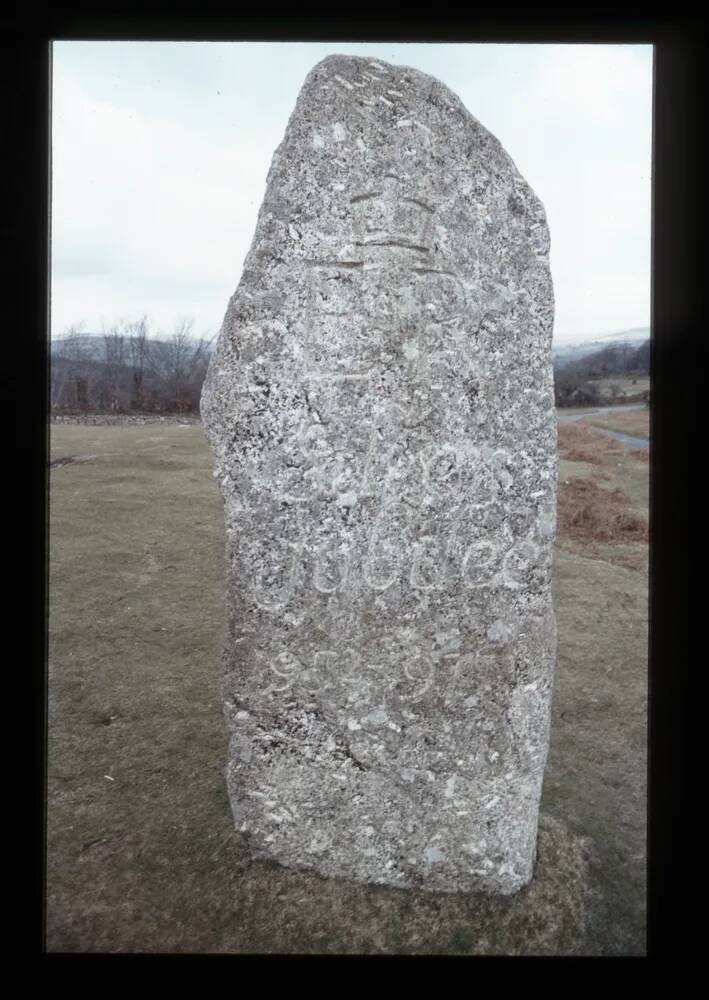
[160, 152]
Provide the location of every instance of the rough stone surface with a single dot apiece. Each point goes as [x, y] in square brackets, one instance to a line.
[380, 409]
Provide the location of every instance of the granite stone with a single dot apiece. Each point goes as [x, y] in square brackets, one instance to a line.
[380, 409]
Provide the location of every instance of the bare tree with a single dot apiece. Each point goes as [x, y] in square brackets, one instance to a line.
[70, 381]
[179, 365]
[571, 389]
[178, 362]
[126, 369]
[114, 367]
[137, 334]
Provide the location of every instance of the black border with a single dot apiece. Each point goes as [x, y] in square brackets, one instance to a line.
[676, 375]
[679, 48]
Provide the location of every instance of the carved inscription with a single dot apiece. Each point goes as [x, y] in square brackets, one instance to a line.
[457, 551]
[417, 535]
[429, 566]
[451, 674]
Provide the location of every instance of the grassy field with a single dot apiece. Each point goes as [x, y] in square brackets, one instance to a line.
[635, 422]
[141, 850]
[629, 385]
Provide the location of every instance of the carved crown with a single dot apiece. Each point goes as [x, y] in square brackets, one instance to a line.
[390, 215]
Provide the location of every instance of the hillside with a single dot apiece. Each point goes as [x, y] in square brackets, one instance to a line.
[617, 371]
[567, 353]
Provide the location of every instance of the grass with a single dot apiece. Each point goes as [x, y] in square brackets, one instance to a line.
[569, 411]
[629, 385]
[141, 849]
[636, 423]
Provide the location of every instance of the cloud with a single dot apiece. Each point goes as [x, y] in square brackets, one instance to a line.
[149, 203]
[161, 150]
[592, 83]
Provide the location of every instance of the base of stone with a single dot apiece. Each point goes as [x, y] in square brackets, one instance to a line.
[376, 831]
[432, 881]
[546, 917]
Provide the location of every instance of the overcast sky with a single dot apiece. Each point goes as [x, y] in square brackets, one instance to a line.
[161, 149]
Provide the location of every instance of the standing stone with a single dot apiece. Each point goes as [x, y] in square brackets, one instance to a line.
[381, 413]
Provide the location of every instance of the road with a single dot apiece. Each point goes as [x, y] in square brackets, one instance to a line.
[626, 439]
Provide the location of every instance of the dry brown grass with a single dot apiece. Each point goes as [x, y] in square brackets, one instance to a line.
[588, 512]
[602, 513]
[580, 443]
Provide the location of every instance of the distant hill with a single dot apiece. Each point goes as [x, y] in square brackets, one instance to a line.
[623, 356]
[565, 354]
[92, 346]
[603, 370]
